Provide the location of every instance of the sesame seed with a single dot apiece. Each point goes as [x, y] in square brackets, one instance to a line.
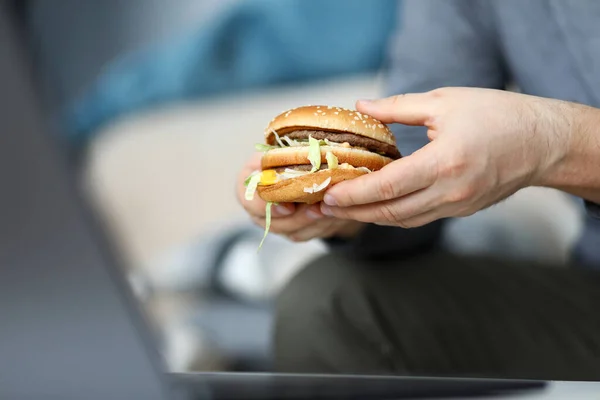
[353, 122]
[356, 118]
[329, 107]
[336, 112]
[380, 125]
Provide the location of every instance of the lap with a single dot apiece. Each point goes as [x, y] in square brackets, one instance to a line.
[440, 314]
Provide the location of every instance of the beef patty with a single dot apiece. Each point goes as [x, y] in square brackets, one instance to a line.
[353, 140]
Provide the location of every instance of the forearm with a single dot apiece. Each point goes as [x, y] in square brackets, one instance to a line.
[577, 170]
[456, 33]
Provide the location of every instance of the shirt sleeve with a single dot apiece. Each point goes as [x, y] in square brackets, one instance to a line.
[436, 44]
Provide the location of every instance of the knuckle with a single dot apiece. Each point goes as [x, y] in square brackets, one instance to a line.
[465, 212]
[387, 213]
[337, 212]
[297, 238]
[386, 189]
[438, 93]
[454, 167]
[395, 100]
[347, 200]
[280, 230]
[253, 209]
[406, 224]
[462, 194]
[290, 227]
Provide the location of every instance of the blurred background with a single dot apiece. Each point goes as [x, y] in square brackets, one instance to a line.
[161, 103]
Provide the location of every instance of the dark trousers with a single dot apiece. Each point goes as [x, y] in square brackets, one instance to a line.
[440, 315]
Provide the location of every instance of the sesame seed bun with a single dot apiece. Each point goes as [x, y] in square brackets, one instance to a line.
[328, 118]
[364, 142]
[292, 190]
[299, 156]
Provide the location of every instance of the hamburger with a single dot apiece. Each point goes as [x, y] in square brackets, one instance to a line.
[309, 149]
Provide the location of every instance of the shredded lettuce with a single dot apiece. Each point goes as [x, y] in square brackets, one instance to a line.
[267, 224]
[332, 161]
[247, 181]
[314, 154]
[251, 184]
[264, 147]
[278, 139]
[294, 143]
[291, 173]
[287, 142]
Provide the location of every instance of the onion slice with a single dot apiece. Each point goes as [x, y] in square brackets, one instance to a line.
[317, 188]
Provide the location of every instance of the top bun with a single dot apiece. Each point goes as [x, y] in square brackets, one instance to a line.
[328, 118]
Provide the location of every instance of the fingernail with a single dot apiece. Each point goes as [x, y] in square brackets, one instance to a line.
[313, 214]
[329, 200]
[281, 210]
[326, 210]
[365, 101]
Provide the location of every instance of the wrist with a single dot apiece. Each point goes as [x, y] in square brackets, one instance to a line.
[556, 125]
[576, 171]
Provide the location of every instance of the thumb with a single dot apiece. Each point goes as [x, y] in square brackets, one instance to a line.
[407, 109]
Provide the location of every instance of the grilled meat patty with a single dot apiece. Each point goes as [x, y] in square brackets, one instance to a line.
[353, 140]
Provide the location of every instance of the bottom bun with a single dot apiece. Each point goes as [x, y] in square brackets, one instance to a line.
[292, 190]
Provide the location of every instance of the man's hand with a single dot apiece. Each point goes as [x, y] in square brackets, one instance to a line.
[485, 145]
[298, 222]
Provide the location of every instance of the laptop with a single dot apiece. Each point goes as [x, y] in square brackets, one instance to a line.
[70, 327]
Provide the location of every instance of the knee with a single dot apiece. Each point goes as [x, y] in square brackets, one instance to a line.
[326, 321]
[305, 314]
[309, 295]
[312, 287]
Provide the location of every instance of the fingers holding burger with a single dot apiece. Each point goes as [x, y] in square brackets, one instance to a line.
[309, 149]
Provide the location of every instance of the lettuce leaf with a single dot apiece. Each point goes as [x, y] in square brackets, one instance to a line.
[314, 154]
[277, 139]
[332, 160]
[267, 224]
[247, 181]
[251, 184]
[287, 142]
[264, 147]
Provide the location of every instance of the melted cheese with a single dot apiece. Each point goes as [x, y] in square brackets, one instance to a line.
[268, 177]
